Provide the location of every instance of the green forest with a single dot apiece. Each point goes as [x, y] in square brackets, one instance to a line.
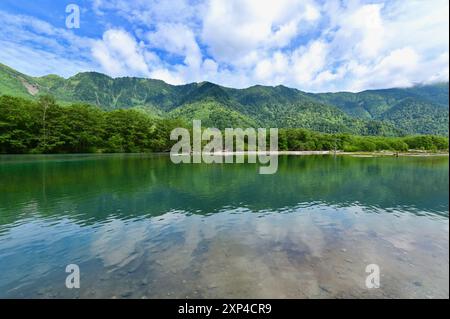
[43, 126]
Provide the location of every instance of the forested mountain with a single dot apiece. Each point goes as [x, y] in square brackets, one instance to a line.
[418, 110]
[421, 109]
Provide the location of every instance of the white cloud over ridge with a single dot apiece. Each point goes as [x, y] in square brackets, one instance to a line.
[311, 45]
[119, 54]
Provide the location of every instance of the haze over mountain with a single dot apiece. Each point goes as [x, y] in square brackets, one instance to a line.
[422, 109]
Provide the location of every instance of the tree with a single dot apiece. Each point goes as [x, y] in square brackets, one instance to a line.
[45, 101]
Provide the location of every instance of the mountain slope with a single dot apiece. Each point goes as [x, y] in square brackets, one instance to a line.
[420, 109]
[16, 84]
[418, 116]
[212, 114]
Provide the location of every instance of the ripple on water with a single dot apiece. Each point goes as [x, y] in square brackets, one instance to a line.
[142, 227]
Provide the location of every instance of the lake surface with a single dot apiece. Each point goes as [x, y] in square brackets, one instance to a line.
[139, 226]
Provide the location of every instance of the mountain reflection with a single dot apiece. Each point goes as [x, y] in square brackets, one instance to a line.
[92, 188]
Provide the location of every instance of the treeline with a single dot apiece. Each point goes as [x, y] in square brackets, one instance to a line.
[43, 126]
[304, 140]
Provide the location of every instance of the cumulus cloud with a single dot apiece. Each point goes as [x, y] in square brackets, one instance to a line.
[305, 44]
[239, 32]
[179, 40]
[119, 54]
[310, 45]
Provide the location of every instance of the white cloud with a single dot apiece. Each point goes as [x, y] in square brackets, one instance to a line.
[37, 62]
[399, 66]
[361, 31]
[397, 43]
[177, 39]
[167, 76]
[307, 62]
[233, 30]
[272, 70]
[149, 12]
[37, 48]
[119, 54]
[310, 45]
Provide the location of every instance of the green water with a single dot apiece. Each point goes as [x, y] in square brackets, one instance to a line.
[139, 226]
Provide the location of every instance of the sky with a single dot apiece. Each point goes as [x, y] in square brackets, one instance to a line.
[315, 46]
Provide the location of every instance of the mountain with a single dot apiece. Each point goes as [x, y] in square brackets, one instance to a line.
[15, 83]
[421, 109]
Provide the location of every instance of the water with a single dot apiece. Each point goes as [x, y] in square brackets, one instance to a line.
[139, 226]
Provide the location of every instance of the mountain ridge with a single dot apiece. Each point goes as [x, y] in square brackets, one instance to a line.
[421, 109]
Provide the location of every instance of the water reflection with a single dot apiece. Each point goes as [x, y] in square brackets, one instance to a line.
[139, 226]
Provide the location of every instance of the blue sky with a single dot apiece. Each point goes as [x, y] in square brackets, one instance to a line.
[311, 45]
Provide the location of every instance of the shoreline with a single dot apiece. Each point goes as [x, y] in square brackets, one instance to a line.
[307, 153]
[412, 153]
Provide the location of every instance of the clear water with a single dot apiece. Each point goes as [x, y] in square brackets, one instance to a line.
[139, 226]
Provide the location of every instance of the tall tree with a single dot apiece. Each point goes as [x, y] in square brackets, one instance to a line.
[45, 101]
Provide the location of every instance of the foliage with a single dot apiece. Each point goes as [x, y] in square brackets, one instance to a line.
[78, 128]
[302, 140]
[422, 109]
[44, 126]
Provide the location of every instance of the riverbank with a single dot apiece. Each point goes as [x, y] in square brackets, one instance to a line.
[416, 153]
[392, 153]
[358, 154]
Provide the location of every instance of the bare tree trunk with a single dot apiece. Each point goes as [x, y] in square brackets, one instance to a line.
[44, 126]
[45, 102]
